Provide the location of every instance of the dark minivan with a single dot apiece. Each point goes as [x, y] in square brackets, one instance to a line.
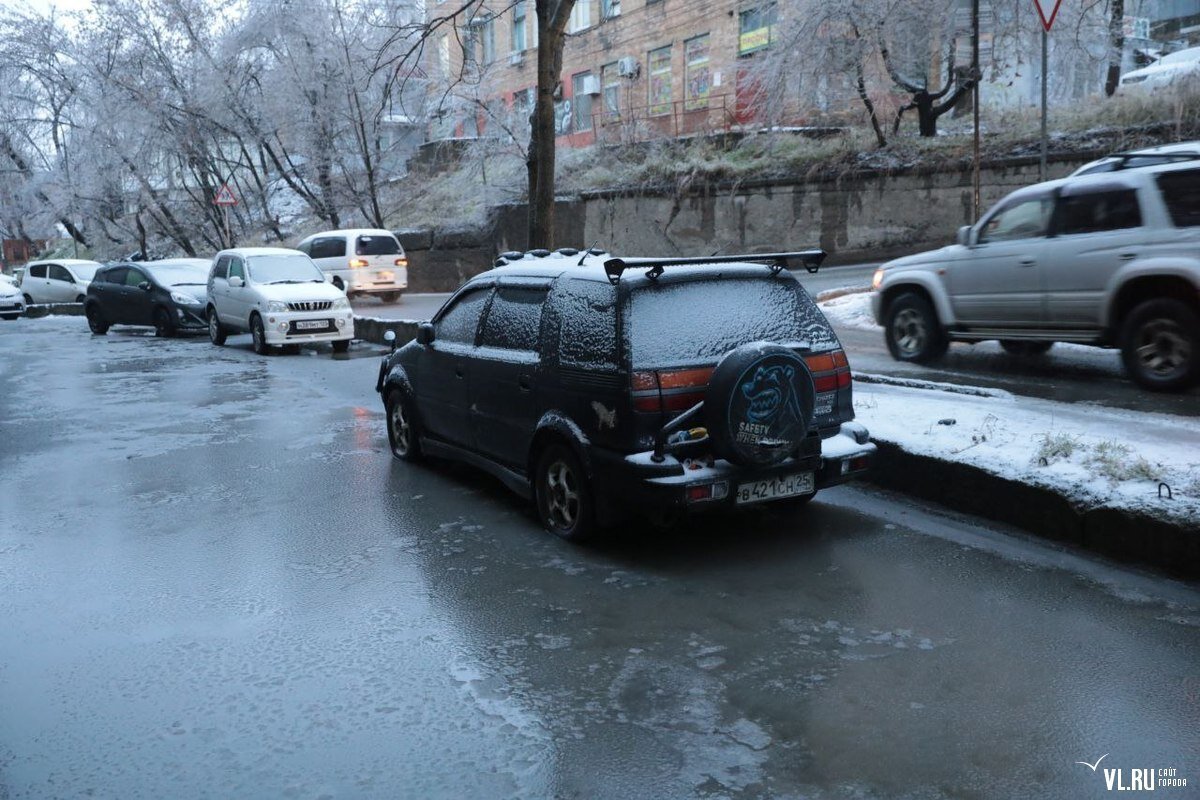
[599, 386]
[168, 295]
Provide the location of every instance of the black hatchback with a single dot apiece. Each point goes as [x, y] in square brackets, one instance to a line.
[600, 386]
[167, 294]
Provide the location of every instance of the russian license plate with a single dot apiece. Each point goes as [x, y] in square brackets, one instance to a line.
[311, 324]
[774, 488]
[384, 277]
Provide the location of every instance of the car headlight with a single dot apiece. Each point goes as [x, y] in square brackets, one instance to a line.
[877, 279]
[276, 307]
[341, 303]
[184, 299]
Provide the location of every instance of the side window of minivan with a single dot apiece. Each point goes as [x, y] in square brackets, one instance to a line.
[514, 319]
[329, 247]
[588, 333]
[461, 321]
[221, 268]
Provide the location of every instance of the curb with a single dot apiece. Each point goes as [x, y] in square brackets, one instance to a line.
[1117, 533]
[58, 309]
[371, 329]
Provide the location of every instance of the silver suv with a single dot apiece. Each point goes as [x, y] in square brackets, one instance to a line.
[1110, 259]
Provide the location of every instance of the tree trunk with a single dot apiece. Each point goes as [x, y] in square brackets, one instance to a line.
[540, 158]
[926, 117]
[1116, 43]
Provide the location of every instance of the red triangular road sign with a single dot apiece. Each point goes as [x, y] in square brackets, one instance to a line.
[224, 196]
[1046, 23]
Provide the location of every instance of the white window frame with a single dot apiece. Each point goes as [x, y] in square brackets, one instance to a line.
[581, 16]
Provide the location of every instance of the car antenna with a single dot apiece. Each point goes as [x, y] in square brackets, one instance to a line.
[587, 253]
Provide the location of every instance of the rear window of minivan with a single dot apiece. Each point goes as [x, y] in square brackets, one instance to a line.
[376, 246]
[697, 322]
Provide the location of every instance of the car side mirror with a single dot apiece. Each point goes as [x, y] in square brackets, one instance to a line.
[237, 282]
[425, 333]
[144, 286]
[389, 337]
[964, 236]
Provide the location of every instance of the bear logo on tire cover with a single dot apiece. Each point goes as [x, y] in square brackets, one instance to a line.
[761, 400]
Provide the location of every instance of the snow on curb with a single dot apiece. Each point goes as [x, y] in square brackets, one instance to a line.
[841, 291]
[917, 383]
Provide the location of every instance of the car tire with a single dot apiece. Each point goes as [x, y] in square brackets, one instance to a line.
[10, 316]
[1160, 345]
[563, 494]
[216, 331]
[164, 326]
[1020, 347]
[341, 346]
[80, 299]
[95, 320]
[403, 434]
[258, 335]
[389, 297]
[912, 331]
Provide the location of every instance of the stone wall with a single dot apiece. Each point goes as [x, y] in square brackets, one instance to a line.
[861, 217]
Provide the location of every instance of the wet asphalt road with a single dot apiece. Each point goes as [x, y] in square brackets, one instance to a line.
[216, 582]
[1066, 374]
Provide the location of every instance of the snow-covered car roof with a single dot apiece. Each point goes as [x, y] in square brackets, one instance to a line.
[249, 252]
[591, 267]
[1137, 159]
[66, 262]
[353, 232]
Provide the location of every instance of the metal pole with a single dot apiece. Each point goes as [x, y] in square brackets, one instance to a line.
[1042, 160]
[978, 74]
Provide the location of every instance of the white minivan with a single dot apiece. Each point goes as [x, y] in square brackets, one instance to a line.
[360, 261]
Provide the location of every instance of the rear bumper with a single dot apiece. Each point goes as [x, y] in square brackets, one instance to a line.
[365, 280]
[637, 483]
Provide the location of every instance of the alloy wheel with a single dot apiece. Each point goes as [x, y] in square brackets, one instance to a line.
[562, 495]
[1163, 348]
[909, 331]
[401, 430]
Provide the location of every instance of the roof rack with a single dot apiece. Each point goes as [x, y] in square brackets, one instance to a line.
[776, 262]
[1178, 155]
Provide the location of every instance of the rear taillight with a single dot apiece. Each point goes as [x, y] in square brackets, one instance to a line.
[401, 262]
[358, 262]
[669, 390]
[830, 371]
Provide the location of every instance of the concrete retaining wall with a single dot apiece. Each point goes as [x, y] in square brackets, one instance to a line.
[860, 217]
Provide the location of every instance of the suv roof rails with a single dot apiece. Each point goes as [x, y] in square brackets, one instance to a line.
[1179, 155]
[776, 262]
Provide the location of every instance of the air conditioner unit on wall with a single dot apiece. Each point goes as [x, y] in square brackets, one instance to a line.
[516, 57]
[628, 67]
[590, 85]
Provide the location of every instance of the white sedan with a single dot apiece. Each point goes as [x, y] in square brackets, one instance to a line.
[12, 302]
[1179, 69]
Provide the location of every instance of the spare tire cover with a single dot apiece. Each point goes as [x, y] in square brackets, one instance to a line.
[759, 404]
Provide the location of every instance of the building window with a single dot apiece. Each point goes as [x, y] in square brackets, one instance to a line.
[487, 40]
[660, 81]
[518, 27]
[582, 86]
[470, 45]
[610, 9]
[697, 77]
[444, 54]
[581, 16]
[756, 26]
[610, 79]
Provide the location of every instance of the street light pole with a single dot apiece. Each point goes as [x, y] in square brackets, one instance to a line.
[1042, 160]
[978, 75]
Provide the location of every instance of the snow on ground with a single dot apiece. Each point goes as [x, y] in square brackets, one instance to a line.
[1094, 456]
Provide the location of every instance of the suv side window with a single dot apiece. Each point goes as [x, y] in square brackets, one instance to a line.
[461, 321]
[1022, 219]
[221, 268]
[59, 273]
[236, 268]
[1181, 195]
[514, 319]
[588, 336]
[1096, 212]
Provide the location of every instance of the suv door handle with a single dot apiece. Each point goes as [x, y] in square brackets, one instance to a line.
[1028, 262]
[523, 384]
[458, 373]
[1128, 256]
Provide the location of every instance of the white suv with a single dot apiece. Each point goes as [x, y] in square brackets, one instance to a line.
[360, 261]
[277, 295]
[1109, 259]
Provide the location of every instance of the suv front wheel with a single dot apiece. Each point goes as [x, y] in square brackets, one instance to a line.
[216, 332]
[564, 496]
[912, 330]
[258, 336]
[402, 427]
[1160, 345]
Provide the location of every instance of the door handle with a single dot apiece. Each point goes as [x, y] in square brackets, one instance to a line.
[1128, 256]
[1028, 262]
[458, 373]
[523, 384]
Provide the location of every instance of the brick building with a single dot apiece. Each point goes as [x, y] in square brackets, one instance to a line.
[632, 69]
